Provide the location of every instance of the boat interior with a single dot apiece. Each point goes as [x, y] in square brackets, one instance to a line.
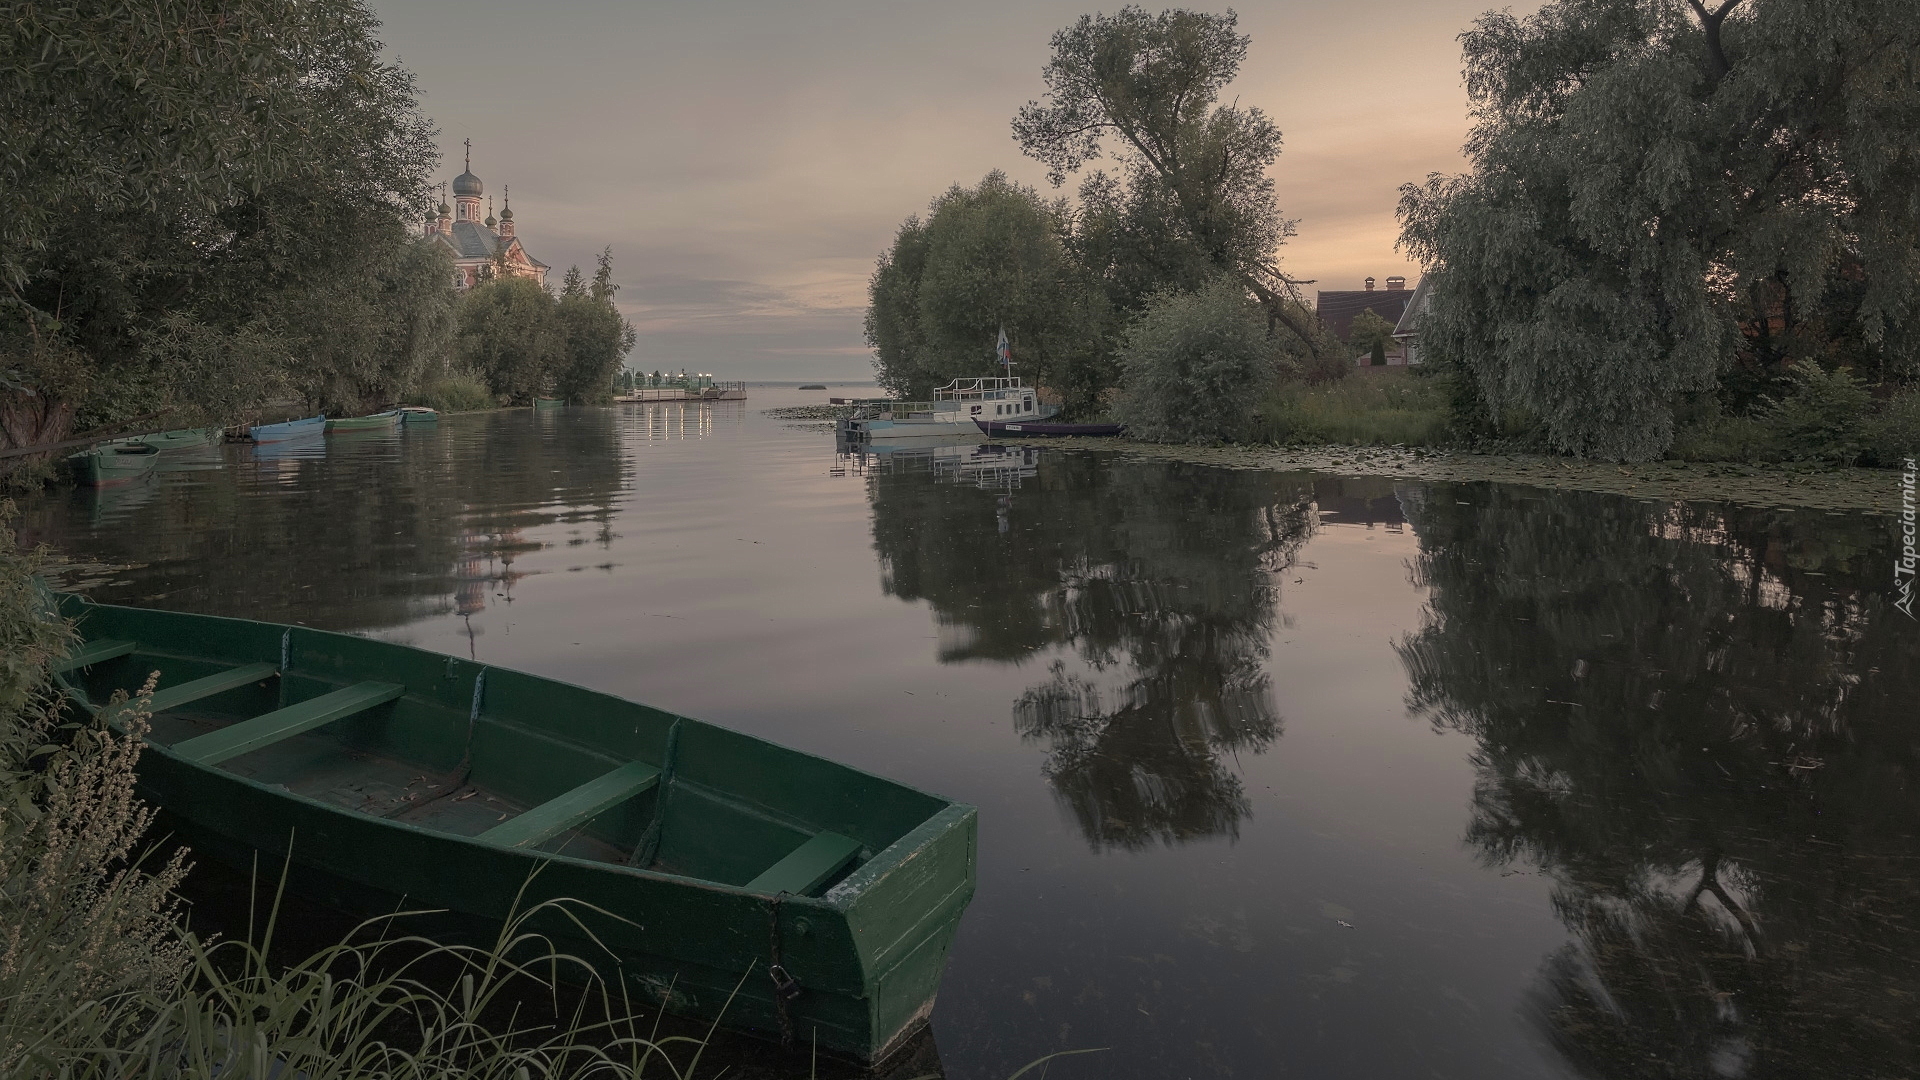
[492, 755]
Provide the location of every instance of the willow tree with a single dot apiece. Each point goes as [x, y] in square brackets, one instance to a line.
[1191, 198]
[1669, 204]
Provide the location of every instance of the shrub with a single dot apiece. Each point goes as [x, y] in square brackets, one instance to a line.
[1193, 366]
[1724, 438]
[457, 392]
[1820, 418]
[1893, 434]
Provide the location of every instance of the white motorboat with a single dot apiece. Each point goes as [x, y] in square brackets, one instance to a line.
[956, 409]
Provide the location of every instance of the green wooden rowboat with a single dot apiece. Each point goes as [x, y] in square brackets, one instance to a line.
[113, 464]
[182, 439]
[418, 414]
[548, 402]
[391, 772]
[371, 422]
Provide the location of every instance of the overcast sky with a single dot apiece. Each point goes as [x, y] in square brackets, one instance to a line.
[749, 161]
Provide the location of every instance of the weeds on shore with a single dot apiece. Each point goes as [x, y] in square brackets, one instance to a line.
[457, 392]
[1374, 408]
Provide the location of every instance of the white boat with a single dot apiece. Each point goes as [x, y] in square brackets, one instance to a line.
[954, 410]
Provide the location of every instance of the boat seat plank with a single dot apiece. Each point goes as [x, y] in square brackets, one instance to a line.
[95, 652]
[808, 865]
[574, 808]
[248, 735]
[219, 682]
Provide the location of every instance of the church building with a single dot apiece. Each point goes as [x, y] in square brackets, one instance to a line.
[480, 246]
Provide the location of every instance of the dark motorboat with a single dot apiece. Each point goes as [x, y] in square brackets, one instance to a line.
[1044, 429]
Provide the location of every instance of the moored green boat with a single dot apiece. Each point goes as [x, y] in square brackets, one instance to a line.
[418, 414]
[389, 772]
[115, 463]
[548, 402]
[373, 422]
[182, 439]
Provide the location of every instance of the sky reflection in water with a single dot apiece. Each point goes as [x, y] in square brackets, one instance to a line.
[1278, 774]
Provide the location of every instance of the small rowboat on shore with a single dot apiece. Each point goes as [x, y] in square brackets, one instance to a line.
[395, 777]
[113, 464]
[418, 414]
[182, 439]
[291, 429]
[371, 422]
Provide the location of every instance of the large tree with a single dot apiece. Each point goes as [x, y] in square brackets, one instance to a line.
[195, 202]
[1669, 204]
[1192, 198]
[597, 337]
[987, 258]
[511, 336]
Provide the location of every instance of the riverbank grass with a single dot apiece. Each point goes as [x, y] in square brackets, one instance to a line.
[1378, 407]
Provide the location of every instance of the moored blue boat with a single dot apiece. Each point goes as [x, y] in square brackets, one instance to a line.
[291, 429]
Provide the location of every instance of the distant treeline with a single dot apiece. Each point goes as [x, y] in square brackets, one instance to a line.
[203, 209]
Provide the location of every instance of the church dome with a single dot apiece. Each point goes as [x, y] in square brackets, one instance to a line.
[466, 184]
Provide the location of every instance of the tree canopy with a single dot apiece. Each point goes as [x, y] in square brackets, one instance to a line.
[201, 208]
[986, 258]
[1192, 196]
[1670, 204]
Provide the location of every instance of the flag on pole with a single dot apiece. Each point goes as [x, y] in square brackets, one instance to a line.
[1004, 350]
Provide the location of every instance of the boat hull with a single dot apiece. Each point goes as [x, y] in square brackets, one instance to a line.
[419, 415]
[373, 422]
[883, 430]
[114, 464]
[291, 429]
[548, 402]
[1044, 429]
[868, 951]
[183, 439]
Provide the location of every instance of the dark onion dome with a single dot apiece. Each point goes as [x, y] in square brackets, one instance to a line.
[506, 214]
[466, 184]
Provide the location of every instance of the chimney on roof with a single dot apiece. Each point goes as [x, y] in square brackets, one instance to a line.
[1396, 283]
[1369, 284]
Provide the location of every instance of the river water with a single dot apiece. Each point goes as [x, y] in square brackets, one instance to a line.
[1279, 774]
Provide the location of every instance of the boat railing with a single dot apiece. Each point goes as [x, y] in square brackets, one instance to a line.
[985, 389]
[868, 408]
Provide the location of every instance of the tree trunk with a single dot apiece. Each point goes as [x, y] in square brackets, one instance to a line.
[30, 420]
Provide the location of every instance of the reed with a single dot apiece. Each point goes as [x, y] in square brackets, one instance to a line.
[1396, 407]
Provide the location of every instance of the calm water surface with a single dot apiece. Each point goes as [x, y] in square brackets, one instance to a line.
[1279, 774]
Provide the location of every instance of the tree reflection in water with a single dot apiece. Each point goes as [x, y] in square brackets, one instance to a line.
[1154, 587]
[370, 531]
[1700, 724]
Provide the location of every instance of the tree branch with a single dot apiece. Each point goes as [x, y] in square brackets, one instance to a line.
[1710, 22]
